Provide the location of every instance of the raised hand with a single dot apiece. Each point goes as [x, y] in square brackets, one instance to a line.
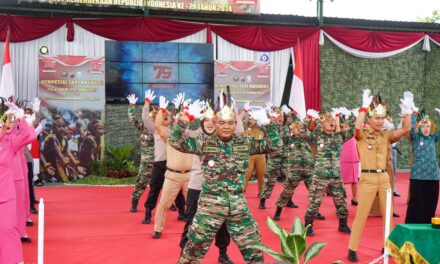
[163, 103]
[149, 96]
[260, 116]
[366, 98]
[286, 109]
[132, 99]
[36, 104]
[195, 109]
[312, 114]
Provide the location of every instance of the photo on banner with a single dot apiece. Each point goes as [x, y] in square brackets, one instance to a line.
[248, 80]
[72, 94]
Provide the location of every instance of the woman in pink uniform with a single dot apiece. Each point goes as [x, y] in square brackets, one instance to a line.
[350, 167]
[10, 145]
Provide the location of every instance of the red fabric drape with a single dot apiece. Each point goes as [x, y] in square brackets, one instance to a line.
[139, 28]
[373, 41]
[28, 28]
[269, 38]
[435, 37]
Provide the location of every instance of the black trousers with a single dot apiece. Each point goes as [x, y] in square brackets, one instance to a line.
[222, 238]
[156, 183]
[30, 166]
[423, 199]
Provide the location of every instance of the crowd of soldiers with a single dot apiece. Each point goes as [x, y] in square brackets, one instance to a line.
[189, 150]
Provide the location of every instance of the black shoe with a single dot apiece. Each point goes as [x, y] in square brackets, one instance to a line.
[26, 240]
[397, 194]
[173, 208]
[310, 232]
[319, 217]
[134, 205]
[29, 223]
[277, 215]
[156, 235]
[33, 210]
[291, 204]
[354, 202]
[343, 227]
[280, 179]
[224, 259]
[262, 204]
[36, 201]
[147, 218]
[396, 215]
[352, 256]
[39, 183]
[181, 216]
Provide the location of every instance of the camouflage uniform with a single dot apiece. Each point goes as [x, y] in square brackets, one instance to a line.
[326, 172]
[299, 165]
[222, 200]
[147, 155]
[274, 164]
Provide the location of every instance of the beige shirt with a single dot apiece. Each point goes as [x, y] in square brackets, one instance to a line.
[254, 132]
[177, 160]
[196, 174]
[373, 148]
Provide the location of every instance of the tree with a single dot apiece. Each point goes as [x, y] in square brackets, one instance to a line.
[434, 18]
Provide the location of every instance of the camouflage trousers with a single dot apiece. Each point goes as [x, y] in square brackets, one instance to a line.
[143, 179]
[317, 191]
[273, 169]
[293, 179]
[212, 212]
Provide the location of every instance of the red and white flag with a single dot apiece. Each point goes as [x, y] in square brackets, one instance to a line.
[7, 88]
[297, 100]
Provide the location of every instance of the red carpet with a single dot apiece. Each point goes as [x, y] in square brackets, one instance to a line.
[94, 225]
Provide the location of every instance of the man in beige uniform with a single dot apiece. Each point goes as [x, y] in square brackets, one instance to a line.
[176, 176]
[373, 143]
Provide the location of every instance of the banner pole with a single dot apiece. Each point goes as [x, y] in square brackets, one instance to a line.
[41, 231]
[387, 223]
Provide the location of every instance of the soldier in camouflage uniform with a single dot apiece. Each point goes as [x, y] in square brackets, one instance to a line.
[328, 139]
[147, 157]
[274, 164]
[224, 159]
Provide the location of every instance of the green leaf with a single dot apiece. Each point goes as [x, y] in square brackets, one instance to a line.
[297, 227]
[313, 251]
[269, 251]
[276, 228]
[297, 245]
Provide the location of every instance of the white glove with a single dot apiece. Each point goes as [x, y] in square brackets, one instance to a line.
[19, 113]
[438, 110]
[29, 118]
[12, 108]
[272, 114]
[286, 109]
[406, 106]
[179, 100]
[260, 116]
[195, 109]
[388, 125]
[149, 96]
[36, 105]
[355, 112]
[408, 95]
[312, 113]
[246, 106]
[335, 112]
[269, 104]
[163, 103]
[366, 98]
[132, 99]
[345, 111]
[186, 103]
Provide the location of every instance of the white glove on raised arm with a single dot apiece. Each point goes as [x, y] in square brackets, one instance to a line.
[178, 100]
[366, 98]
[36, 104]
[407, 103]
[286, 109]
[149, 96]
[355, 112]
[312, 113]
[260, 116]
[195, 109]
[132, 99]
[163, 103]
[335, 112]
[29, 118]
[438, 110]
[345, 111]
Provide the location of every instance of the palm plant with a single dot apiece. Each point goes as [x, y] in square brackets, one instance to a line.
[293, 244]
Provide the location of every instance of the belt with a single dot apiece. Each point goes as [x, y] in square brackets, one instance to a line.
[373, 171]
[176, 171]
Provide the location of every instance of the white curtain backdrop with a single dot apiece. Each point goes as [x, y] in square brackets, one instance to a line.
[279, 63]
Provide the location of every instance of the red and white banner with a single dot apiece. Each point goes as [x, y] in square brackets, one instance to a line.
[297, 99]
[7, 88]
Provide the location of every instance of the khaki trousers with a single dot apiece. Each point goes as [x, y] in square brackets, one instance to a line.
[174, 182]
[257, 163]
[370, 185]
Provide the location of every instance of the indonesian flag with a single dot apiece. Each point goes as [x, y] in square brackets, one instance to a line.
[297, 100]
[7, 88]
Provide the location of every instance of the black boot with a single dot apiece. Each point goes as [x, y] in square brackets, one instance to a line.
[277, 215]
[352, 256]
[310, 229]
[156, 235]
[181, 215]
[343, 227]
[147, 218]
[224, 258]
[134, 205]
[262, 203]
[173, 208]
[319, 217]
[33, 210]
[291, 204]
